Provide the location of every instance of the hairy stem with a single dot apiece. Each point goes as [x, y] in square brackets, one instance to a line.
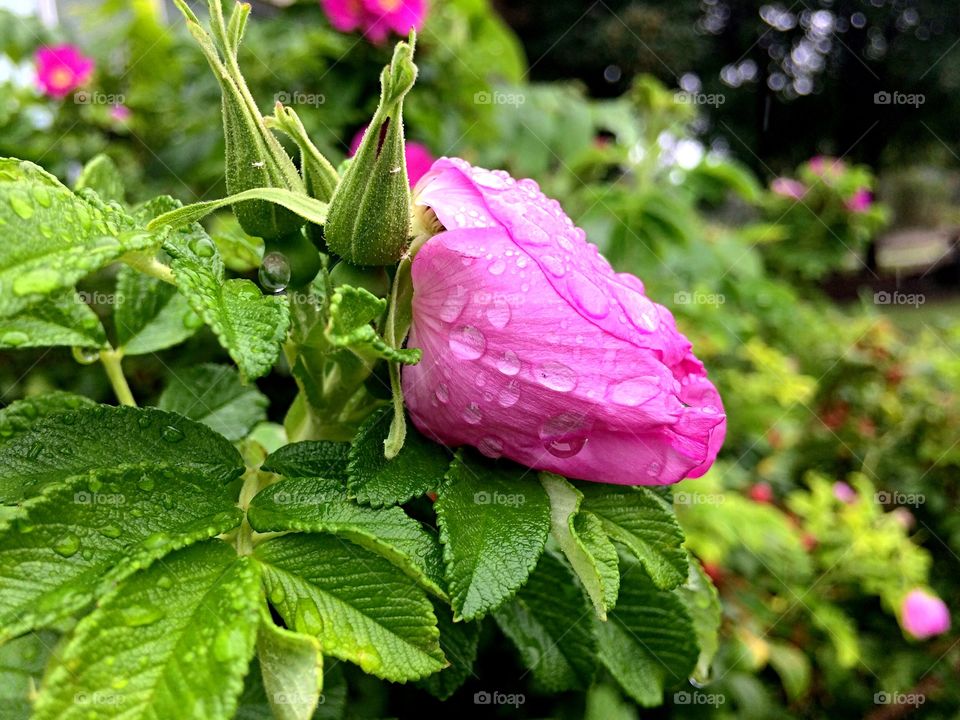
[149, 265]
[110, 359]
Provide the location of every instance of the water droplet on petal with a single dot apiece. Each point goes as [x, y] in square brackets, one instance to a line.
[274, 272]
[453, 304]
[642, 312]
[442, 393]
[172, 434]
[564, 435]
[509, 364]
[509, 394]
[654, 468]
[472, 414]
[67, 545]
[497, 267]
[554, 265]
[711, 410]
[556, 376]
[498, 313]
[487, 179]
[491, 446]
[634, 391]
[588, 296]
[467, 342]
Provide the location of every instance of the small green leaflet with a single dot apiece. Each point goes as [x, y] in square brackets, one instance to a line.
[107, 437]
[358, 605]
[102, 176]
[494, 520]
[171, 642]
[291, 667]
[649, 641]
[418, 468]
[645, 523]
[150, 314]
[310, 458]
[63, 319]
[458, 640]
[321, 506]
[52, 237]
[584, 542]
[66, 546]
[21, 415]
[248, 324]
[306, 207]
[351, 312]
[213, 395]
[551, 624]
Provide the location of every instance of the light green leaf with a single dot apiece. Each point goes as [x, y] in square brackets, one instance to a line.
[292, 670]
[102, 176]
[581, 537]
[604, 702]
[648, 642]
[306, 207]
[213, 395]
[68, 545]
[320, 505]
[52, 237]
[106, 437]
[310, 458]
[62, 319]
[358, 605]
[645, 523]
[21, 667]
[459, 641]
[151, 315]
[22, 415]
[551, 624]
[248, 324]
[494, 520]
[703, 605]
[418, 468]
[793, 667]
[351, 312]
[171, 642]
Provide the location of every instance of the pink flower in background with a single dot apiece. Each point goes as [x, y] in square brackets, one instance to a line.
[418, 156]
[924, 615]
[861, 201]
[376, 18]
[534, 349]
[788, 188]
[120, 113]
[826, 165]
[62, 69]
[844, 493]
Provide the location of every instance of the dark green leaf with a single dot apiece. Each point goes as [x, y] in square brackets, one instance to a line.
[62, 319]
[151, 315]
[22, 415]
[311, 458]
[458, 640]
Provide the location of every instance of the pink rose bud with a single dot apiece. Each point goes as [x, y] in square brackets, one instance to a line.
[860, 201]
[924, 614]
[376, 18]
[534, 349]
[418, 156]
[788, 188]
[844, 493]
[62, 69]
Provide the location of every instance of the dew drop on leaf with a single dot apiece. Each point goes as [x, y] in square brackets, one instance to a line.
[14, 338]
[274, 272]
[307, 619]
[140, 615]
[203, 247]
[110, 531]
[67, 545]
[21, 206]
[85, 355]
[171, 434]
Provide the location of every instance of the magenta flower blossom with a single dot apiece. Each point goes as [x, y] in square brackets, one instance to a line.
[788, 188]
[534, 349]
[418, 156]
[924, 614]
[860, 201]
[844, 493]
[61, 70]
[376, 18]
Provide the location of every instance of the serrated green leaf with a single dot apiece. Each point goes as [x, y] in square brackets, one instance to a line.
[62, 319]
[52, 237]
[320, 505]
[248, 324]
[645, 524]
[102, 176]
[306, 207]
[494, 520]
[550, 622]
[581, 537]
[648, 641]
[351, 312]
[418, 468]
[21, 415]
[68, 545]
[703, 605]
[21, 667]
[171, 642]
[106, 437]
[459, 641]
[292, 670]
[151, 315]
[213, 395]
[359, 605]
[310, 458]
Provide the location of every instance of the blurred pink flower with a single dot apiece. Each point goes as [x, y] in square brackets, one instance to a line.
[844, 493]
[788, 188]
[418, 156]
[924, 615]
[62, 69]
[826, 165]
[534, 349]
[861, 201]
[376, 18]
[120, 113]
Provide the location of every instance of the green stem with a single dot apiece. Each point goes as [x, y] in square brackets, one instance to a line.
[149, 265]
[111, 359]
